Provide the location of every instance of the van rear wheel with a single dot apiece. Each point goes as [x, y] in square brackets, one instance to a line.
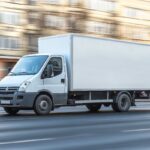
[43, 105]
[11, 111]
[93, 107]
[122, 103]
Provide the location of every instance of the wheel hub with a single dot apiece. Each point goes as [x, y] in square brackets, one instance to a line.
[124, 102]
[43, 105]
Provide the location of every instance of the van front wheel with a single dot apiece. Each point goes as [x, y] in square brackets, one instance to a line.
[43, 105]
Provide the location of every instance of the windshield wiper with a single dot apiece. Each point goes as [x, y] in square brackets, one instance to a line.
[20, 73]
[12, 73]
[23, 73]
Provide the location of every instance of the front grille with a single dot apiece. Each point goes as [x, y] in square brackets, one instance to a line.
[7, 93]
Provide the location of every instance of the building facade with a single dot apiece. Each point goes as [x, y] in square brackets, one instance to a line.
[23, 21]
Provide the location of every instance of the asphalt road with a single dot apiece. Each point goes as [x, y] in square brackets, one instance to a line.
[74, 128]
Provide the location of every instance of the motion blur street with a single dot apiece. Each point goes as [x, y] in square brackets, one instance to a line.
[74, 52]
[75, 128]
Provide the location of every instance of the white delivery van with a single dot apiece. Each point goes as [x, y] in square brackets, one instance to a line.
[74, 69]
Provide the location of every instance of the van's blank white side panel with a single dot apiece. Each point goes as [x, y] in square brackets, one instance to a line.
[100, 64]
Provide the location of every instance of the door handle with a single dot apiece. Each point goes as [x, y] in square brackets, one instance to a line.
[62, 80]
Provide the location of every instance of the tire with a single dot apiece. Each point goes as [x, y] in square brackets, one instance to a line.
[114, 108]
[11, 111]
[43, 105]
[121, 103]
[93, 107]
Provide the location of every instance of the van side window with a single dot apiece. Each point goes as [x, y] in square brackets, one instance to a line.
[56, 63]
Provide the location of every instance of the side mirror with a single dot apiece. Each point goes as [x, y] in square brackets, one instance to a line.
[47, 72]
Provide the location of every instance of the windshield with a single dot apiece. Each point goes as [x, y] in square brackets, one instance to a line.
[28, 65]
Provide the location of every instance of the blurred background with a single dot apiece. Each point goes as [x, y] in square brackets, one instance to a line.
[23, 21]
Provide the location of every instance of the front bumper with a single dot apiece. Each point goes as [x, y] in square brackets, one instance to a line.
[18, 99]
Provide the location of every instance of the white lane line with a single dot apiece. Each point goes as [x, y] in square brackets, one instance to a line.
[26, 141]
[137, 130]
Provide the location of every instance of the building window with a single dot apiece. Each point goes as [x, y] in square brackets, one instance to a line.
[9, 18]
[32, 42]
[136, 33]
[131, 12]
[74, 2]
[33, 17]
[16, 1]
[32, 2]
[135, 13]
[55, 21]
[7, 42]
[101, 5]
[99, 27]
[53, 2]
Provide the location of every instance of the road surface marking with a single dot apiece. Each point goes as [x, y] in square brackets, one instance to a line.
[137, 130]
[37, 140]
[17, 118]
[26, 141]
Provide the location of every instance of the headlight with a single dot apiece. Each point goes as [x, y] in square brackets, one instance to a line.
[24, 86]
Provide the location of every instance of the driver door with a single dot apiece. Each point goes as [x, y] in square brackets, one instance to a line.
[56, 83]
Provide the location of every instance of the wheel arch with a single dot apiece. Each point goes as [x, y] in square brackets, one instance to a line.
[45, 92]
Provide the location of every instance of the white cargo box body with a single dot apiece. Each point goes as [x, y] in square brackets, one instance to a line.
[97, 64]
